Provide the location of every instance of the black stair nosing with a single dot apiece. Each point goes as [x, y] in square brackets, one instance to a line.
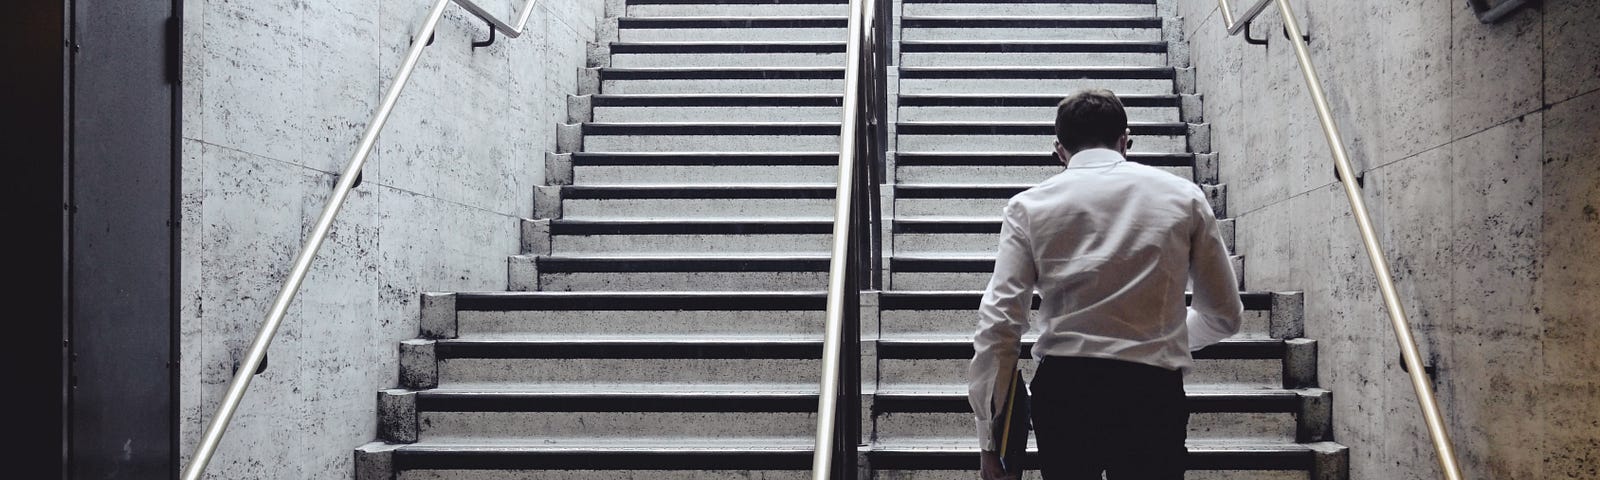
[738, 2]
[622, 458]
[937, 21]
[691, 47]
[723, 73]
[1033, 46]
[915, 349]
[788, 402]
[1042, 159]
[690, 227]
[1013, 100]
[717, 100]
[923, 191]
[679, 23]
[1035, 73]
[1025, 128]
[662, 192]
[710, 128]
[611, 159]
[796, 264]
[969, 300]
[1256, 401]
[640, 301]
[1287, 457]
[629, 350]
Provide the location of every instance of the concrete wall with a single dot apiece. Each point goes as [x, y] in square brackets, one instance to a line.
[1479, 148]
[276, 93]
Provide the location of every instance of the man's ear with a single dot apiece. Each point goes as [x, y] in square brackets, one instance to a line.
[1061, 152]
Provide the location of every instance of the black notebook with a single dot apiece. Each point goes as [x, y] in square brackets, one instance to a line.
[1011, 431]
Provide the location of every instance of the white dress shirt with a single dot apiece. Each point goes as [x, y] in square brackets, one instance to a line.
[1110, 246]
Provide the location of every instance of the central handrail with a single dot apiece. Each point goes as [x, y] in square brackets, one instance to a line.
[302, 263]
[1369, 237]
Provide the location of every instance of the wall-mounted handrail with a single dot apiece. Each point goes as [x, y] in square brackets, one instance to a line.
[319, 232]
[1369, 237]
[849, 263]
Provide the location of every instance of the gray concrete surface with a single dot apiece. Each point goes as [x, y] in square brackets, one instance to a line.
[276, 93]
[1478, 143]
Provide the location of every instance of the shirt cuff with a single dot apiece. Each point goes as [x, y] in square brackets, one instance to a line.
[986, 435]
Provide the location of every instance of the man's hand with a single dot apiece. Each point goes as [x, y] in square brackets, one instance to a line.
[991, 469]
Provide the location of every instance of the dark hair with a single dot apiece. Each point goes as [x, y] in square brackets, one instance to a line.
[1090, 118]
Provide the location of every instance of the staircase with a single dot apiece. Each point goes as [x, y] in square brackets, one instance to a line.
[665, 320]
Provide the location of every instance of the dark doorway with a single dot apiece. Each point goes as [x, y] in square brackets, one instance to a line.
[92, 96]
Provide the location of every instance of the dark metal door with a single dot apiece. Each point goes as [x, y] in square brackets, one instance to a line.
[122, 275]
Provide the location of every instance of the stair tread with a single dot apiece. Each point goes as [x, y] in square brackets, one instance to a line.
[1206, 445]
[620, 445]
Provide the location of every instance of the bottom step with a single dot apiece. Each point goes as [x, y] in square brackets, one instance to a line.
[938, 459]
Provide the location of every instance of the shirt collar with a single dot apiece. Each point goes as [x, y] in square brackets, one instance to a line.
[1094, 157]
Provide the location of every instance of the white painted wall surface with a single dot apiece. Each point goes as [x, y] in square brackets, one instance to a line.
[276, 93]
[1481, 150]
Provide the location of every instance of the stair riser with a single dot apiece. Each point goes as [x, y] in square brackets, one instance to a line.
[718, 114]
[735, 34]
[928, 281]
[1027, 10]
[1020, 114]
[635, 371]
[1034, 475]
[710, 143]
[602, 474]
[964, 322]
[1031, 86]
[697, 86]
[666, 322]
[543, 426]
[1025, 143]
[1231, 425]
[1206, 372]
[642, 60]
[682, 281]
[1054, 34]
[680, 175]
[1009, 59]
[739, 10]
[741, 208]
[995, 175]
[691, 245]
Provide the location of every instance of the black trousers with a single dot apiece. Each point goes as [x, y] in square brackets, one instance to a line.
[1093, 416]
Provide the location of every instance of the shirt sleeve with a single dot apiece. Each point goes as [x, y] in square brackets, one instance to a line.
[1215, 312]
[1002, 319]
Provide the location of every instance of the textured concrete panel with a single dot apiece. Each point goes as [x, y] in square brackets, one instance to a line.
[1571, 49]
[1571, 203]
[1495, 70]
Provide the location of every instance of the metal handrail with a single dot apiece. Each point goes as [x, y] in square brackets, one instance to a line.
[341, 190]
[1369, 238]
[842, 265]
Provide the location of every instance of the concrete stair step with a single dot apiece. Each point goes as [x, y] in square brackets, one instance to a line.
[601, 412]
[924, 136]
[700, 8]
[953, 313]
[716, 108]
[957, 168]
[1010, 108]
[732, 28]
[690, 238]
[684, 202]
[907, 361]
[707, 54]
[958, 200]
[640, 313]
[1034, 80]
[918, 28]
[721, 80]
[718, 136]
[935, 237]
[1029, 7]
[688, 167]
[923, 459]
[792, 360]
[961, 272]
[959, 53]
[680, 273]
[645, 458]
